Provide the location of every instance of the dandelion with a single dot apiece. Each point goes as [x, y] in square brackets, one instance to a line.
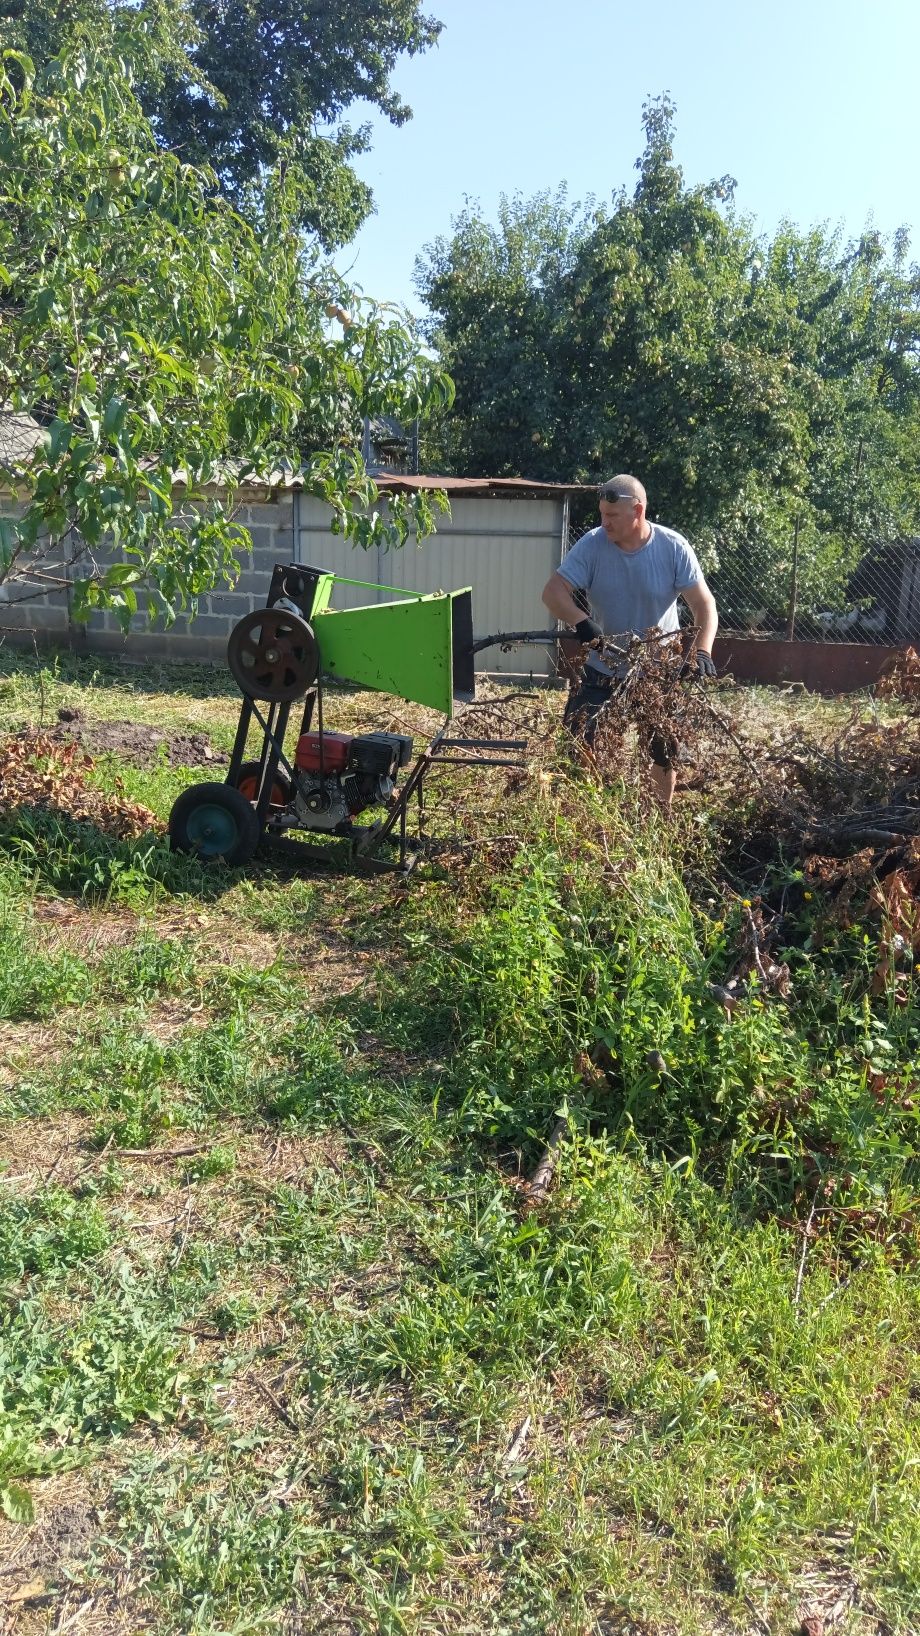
[745, 903]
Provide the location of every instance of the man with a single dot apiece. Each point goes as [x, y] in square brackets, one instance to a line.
[633, 571]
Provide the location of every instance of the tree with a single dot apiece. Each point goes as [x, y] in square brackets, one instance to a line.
[240, 88]
[494, 292]
[149, 330]
[759, 388]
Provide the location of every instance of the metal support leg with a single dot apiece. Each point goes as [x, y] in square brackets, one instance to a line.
[239, 743]
[272, 746]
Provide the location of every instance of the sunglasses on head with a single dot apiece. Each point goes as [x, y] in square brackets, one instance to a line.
[614, 494]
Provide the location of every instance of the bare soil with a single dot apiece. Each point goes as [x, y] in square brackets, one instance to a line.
[135, 741]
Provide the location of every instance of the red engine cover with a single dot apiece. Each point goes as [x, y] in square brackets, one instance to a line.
[336, 747]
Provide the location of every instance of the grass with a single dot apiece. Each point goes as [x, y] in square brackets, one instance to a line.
[282, 1349]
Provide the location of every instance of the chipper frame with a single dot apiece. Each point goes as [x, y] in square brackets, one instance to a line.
[418, 647]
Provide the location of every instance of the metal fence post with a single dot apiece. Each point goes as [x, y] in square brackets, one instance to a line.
[793, 584]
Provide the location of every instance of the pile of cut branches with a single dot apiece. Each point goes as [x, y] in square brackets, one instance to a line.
[901, 677]
[657, 695]
[37, 770]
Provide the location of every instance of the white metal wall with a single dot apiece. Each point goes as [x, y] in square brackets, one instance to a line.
[505, 549]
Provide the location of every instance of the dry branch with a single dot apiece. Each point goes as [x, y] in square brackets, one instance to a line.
[542, 1179]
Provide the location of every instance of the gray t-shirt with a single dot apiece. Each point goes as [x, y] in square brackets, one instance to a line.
[630, 591]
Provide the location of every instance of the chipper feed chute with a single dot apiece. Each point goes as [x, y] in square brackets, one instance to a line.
[418, 647]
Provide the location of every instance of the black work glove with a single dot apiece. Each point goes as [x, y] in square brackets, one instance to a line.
[588, 630]
[704, 664]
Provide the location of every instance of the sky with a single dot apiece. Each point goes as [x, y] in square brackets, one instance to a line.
[811, 106]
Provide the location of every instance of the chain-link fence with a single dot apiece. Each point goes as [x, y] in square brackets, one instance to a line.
[869, 594]
[819, 592]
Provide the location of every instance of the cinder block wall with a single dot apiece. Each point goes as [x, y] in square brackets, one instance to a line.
[204, 638]
[46, 621]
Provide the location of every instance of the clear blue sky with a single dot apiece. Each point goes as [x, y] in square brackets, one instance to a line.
[811, 106]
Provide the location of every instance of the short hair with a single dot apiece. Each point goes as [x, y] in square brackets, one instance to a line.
[624, 484]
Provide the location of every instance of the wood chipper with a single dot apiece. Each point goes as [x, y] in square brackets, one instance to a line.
[417, 647]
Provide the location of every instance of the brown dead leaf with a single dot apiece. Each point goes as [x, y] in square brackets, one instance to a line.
[38, 771]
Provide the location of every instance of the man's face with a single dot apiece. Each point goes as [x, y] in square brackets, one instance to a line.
[619, 519]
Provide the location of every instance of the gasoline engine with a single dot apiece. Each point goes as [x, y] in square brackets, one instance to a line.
[341, 774]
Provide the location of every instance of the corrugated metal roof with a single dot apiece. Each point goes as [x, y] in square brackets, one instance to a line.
[19, 434]
[484, 488]
[19, 437]
[475, 488]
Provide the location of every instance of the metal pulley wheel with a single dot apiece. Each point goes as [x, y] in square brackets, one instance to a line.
[273, 654]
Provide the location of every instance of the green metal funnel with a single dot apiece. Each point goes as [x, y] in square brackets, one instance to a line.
[419, 648]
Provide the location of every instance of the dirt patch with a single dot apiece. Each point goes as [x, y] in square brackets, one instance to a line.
[135, 741]
[86, 929]
[333, 967]
[168, 1019]
[290, 1158]
[37, 1558]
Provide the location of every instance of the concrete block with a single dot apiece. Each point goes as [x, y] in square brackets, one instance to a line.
[210, 625]
[32, 641]
[263, 539]
[206, 650]
[34, 616]
[232, 604]
[262, 577]
[120, 647]
[273, 514]
[254, 584]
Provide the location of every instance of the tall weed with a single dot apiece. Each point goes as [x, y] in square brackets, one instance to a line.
[589, 984]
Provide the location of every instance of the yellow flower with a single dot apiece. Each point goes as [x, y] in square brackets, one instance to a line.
[807, 896]
[745, 903]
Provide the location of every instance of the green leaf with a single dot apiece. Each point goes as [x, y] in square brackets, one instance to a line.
[60, 433]
[45, 302]
[27, 68]
[114, 416]
[9, 540]
[16, 1503]
[90, 414]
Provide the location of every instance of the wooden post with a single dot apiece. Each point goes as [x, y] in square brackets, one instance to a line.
[794, 584]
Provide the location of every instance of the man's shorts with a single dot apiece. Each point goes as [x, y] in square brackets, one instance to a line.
[583, 713]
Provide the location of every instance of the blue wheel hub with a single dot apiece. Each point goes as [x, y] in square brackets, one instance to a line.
[212, 830]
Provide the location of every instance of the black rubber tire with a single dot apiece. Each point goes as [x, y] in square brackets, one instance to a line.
[214, 821]
[281, 784]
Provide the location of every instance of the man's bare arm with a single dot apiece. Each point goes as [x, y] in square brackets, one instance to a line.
[558, 598]
[702, 605]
